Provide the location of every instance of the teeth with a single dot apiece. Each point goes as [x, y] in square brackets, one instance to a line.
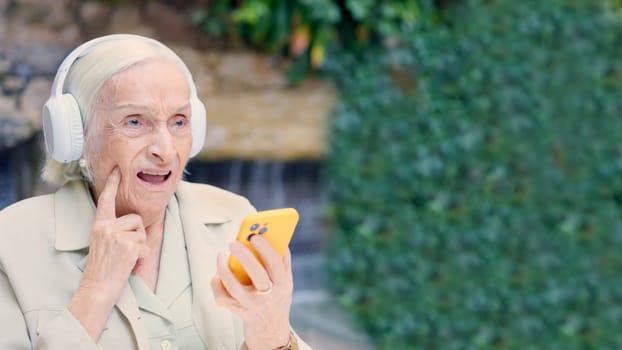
[149, 172]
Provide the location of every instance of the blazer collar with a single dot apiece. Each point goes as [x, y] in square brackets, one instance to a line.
[212, 215]
[74, 213]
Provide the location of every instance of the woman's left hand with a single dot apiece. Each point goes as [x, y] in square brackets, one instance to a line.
[265, 304]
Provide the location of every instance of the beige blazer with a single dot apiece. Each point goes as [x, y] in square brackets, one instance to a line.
[43, 245]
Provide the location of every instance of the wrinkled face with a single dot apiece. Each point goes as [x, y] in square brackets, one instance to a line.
[142, 125]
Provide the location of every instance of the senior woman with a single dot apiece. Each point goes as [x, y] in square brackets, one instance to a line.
[125, 255]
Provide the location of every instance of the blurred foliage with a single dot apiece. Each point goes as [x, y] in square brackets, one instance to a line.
[307, 30]
[476, 179]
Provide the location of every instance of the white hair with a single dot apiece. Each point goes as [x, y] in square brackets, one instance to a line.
[84, 81]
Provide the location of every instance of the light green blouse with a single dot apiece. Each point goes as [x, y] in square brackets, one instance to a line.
[167, 314]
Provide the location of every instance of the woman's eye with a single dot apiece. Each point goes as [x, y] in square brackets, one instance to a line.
[133, 122]
[180, 122]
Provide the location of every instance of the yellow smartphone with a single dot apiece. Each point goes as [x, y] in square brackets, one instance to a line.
[276, 226]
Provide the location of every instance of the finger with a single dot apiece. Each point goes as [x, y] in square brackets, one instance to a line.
[106, 208]
[137, 240]
[254, 269]
[144, 252]
[224, 299]
[130, 222]
[229, 281]
[221, 296]
[287, 263]
[287, 260]
[271, 259]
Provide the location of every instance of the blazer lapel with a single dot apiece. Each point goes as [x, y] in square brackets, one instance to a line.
[204, 239]
[74, 213]
[214, 323]
[128, 306]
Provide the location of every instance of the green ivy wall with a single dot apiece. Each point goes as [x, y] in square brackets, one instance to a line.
[476, 180]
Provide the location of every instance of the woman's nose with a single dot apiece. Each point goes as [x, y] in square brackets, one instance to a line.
[162, 147]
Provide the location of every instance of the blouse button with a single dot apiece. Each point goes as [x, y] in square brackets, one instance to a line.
[165, 345]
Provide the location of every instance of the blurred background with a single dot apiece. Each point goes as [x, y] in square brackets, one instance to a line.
[457, 163]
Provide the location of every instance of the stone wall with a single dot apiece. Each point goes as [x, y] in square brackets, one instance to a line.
[253, 113]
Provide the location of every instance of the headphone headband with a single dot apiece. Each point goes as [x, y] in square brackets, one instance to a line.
[65, 66]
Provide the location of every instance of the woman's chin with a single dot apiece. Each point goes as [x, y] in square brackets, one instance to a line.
[148, 203]
[154, 194]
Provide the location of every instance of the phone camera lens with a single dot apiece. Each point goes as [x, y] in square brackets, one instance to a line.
[263, 230]
[254, 227]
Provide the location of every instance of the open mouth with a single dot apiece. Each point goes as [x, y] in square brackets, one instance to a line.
[154, 177]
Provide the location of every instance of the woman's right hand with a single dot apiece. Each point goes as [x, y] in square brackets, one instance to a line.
[115, 246]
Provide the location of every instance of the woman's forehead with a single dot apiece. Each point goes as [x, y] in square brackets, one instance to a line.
[154, 81]
[151, 72]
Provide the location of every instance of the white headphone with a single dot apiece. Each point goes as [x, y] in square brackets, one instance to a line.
[62, 122]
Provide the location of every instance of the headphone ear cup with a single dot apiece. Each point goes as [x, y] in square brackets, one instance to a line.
[62, 128]
[199, 125]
